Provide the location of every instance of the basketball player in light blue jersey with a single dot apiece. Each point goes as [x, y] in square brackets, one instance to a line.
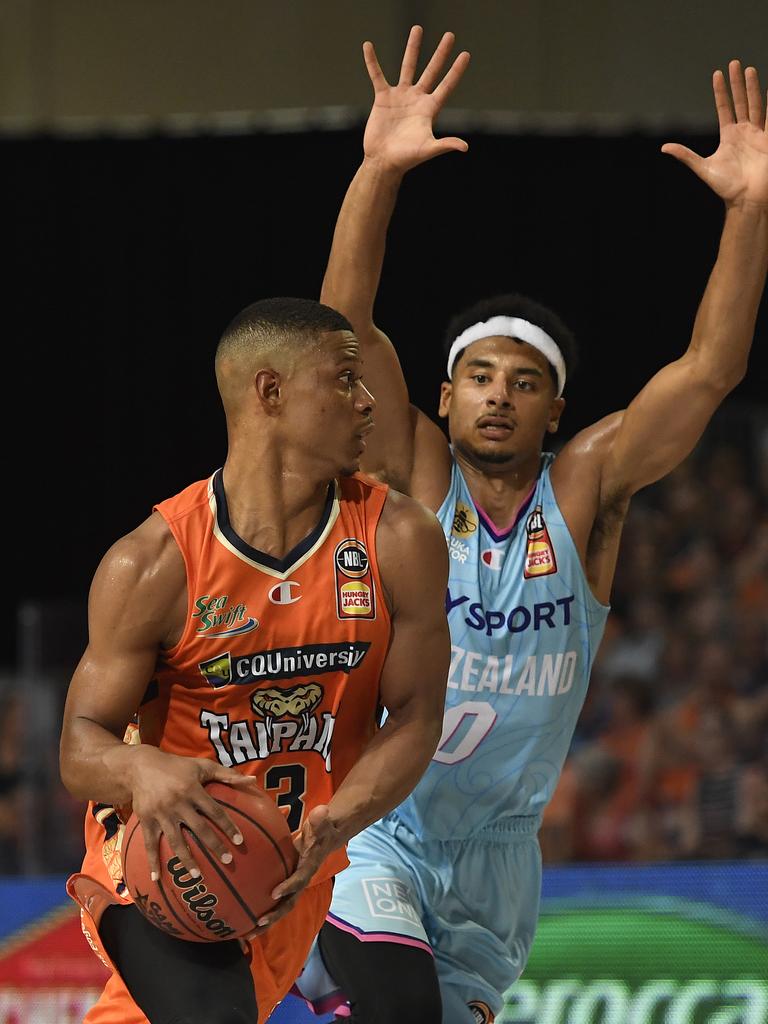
[435, 917]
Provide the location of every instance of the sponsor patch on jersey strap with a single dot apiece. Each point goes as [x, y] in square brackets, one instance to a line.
[464, 520]
[540, 553]
[283, 663]
[355, 595]
[481, 1012]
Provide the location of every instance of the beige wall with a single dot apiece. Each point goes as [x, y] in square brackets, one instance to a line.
[75, 64]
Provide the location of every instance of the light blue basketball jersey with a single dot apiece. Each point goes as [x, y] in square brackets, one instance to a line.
[525, 628]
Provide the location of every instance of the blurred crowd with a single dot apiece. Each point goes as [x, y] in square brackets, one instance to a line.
[670, 758]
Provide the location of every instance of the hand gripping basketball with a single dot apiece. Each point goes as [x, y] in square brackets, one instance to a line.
[228, 900]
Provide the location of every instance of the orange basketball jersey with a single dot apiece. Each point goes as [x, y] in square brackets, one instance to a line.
[277, 670]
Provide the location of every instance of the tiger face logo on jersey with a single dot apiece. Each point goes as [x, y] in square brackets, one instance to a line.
[481, 1012]
[355, 593]
[540, 553]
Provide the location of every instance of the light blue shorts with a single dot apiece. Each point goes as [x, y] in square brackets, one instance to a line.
[473, 903]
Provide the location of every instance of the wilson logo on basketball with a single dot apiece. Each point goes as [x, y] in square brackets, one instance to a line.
[199, 898]
[540, 554]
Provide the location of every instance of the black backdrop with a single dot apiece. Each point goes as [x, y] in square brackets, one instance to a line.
[129, 256]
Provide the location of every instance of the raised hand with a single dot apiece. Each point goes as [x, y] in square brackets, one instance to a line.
[738, 170]
[399, 132]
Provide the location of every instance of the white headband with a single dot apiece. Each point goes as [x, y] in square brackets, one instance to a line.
[512, 327]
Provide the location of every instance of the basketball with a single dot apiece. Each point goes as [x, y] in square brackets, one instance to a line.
[228, 900]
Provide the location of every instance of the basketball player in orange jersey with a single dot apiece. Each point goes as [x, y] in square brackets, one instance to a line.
[257, 622]
[533, 540]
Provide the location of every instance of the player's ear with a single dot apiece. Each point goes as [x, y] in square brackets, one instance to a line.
[268, 385]
[555, 412]
[446, 391]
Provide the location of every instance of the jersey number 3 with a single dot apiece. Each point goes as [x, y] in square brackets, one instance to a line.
[290, 781]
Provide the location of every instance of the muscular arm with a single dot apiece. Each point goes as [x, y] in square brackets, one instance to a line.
[136, 603]
[398, 136]
[413, 561]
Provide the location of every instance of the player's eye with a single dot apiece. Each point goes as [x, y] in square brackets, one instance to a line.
[480, 378]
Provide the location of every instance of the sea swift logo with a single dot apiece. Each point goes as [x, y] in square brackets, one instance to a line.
[283, 663]
[214, 613]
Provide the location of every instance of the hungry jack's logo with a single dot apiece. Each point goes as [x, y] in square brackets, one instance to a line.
[540, 554]
[355, 593]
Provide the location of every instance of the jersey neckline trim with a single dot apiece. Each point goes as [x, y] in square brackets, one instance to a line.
[278, 567]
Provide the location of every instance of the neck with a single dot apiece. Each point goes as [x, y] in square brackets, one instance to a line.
[273, 501]
[499, 490]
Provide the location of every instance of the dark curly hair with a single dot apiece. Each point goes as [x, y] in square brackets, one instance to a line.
[521, 306]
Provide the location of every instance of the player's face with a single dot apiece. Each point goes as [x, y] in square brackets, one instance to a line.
[332, 408]
[500, 403]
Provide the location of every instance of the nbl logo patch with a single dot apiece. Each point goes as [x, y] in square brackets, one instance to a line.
[540, 553]
[481, 1012]
[355, 594]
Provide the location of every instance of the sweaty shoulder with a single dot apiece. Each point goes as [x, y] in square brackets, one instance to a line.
[410, 545]
[142, 576]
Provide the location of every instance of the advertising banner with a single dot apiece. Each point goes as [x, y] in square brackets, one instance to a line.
[625, 944]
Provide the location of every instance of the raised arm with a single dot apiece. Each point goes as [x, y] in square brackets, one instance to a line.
[398, 136]
[666, 419]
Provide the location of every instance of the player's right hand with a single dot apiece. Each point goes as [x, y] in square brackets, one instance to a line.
[167, 792]
[399, 133]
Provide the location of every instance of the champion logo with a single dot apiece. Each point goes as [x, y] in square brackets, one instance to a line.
[493, 558]
[282, 593]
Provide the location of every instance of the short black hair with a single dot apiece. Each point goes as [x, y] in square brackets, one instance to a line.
[514, 304]
[285, 317]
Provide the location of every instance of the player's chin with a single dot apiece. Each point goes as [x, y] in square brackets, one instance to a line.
[350, 468]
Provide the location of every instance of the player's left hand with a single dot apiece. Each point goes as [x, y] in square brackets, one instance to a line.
[738, 170]
[316, 838]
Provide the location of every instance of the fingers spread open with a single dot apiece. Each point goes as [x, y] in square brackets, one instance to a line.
[754, 97]
[431, 72]
[376, 75]
[213, 810]
[451, 79]
[174, 833]
[722, 100]
[411, 56]
[738, 91]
